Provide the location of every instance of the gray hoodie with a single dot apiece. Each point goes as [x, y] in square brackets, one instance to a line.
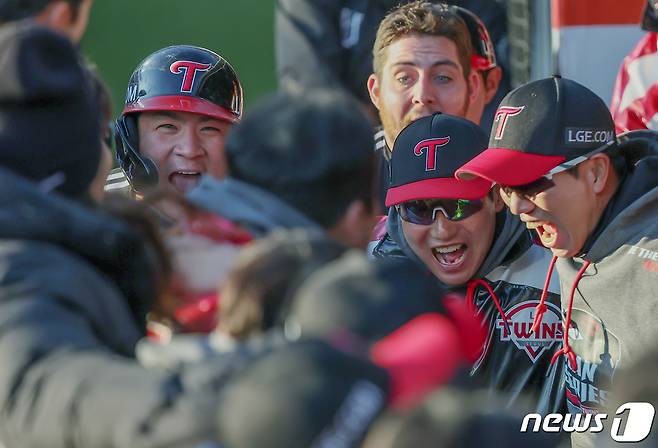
[615, 305]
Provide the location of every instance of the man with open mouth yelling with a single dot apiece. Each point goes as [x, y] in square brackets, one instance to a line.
[592, 199]
[180, 103]
[461, 233]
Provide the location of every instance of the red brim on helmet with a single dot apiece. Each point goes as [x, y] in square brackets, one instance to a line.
[182, 103]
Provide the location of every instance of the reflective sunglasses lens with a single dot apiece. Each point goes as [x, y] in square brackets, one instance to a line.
[416, 212]
[462, 209]
[422, 212]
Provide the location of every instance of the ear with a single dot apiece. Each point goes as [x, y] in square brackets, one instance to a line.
[355, 226]
[58, 15]
[497, 200]
[493, 81]
[374, 89]
[474, 85]
[598, 172]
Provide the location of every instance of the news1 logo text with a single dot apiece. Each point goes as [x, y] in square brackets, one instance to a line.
[632, 422]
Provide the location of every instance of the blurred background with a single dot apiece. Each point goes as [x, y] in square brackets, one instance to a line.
[122, 32]
[584, 40]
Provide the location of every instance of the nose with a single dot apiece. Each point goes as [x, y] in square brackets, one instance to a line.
[443, 228]
[518, 204]
[189, 144]
[424, 93]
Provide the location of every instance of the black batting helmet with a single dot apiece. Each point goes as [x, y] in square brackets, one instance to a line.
[180, 78]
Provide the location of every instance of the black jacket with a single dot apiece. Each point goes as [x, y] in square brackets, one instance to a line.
[74, 287]
[513, 360]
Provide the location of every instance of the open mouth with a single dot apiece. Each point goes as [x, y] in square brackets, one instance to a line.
[184, 181]
[547, 234]
[450, 256]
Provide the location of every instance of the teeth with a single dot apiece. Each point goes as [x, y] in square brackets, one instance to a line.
[447, 249]
[188, 173]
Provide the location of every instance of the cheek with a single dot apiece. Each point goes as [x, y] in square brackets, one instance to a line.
[393, 100]
[481, 229]
[214, 147]
[415, 235]
[154, 146]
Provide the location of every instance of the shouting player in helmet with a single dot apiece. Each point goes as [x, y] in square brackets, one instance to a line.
[180, 103]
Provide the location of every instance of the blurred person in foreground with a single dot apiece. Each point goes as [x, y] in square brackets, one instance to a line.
[68, 17]
[76, 284]
[254, 299]
[296, 161]
[453, 418]
[384, 317]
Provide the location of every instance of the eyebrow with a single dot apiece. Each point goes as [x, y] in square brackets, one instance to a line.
[440, 62]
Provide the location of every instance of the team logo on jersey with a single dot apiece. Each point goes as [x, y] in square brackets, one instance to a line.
[502, 115]
[189, 69]
[518, 330]
[429, 147]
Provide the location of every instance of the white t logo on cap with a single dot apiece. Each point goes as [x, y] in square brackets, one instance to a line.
[502, 114]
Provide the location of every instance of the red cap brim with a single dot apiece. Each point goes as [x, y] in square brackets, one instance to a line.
[438, 188]
[508, 167]
[182, 103]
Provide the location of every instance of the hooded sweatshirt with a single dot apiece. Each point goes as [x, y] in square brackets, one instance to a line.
[513, 360]
[615, 300]
[257, 210]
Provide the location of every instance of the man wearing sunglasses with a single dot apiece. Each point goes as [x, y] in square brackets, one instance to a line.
[460, 231]
[592, 199]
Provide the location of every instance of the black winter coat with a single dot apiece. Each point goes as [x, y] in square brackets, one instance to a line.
[74, 287]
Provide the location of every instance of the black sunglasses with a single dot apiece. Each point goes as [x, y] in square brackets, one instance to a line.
[423, 212]
[530, 189]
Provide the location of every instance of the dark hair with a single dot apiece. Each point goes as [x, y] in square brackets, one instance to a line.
[313, 150]
[104, 102]
[20, 9]
[266, 275]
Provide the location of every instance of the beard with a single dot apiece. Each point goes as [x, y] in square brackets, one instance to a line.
[393, 127]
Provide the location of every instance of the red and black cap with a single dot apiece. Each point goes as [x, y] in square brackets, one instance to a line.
[484, 56]
[185, 78]
[540, 126]
[426, 155]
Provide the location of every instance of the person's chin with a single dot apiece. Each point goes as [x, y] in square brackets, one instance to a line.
[563, 252]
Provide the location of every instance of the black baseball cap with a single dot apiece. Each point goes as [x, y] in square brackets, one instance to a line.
[542, 127]
[426, 155]
[305, 394]
[395, 312]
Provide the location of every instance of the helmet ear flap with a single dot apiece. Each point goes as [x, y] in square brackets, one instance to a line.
[141, 172]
